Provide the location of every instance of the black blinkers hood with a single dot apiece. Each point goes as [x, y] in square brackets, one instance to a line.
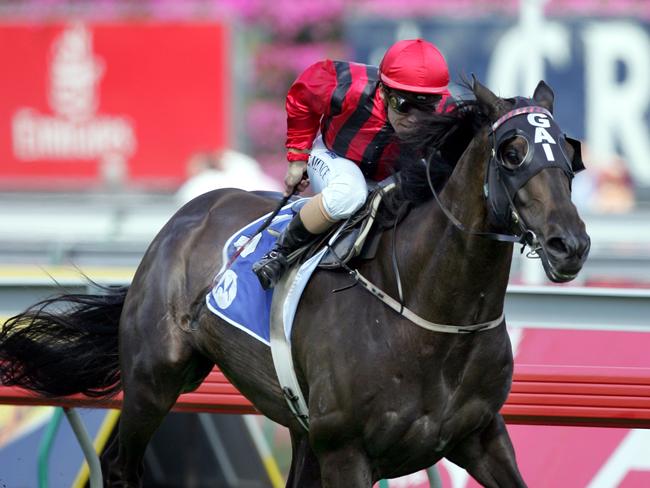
[546, 149]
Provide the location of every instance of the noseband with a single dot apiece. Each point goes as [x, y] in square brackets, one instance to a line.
[545, 150]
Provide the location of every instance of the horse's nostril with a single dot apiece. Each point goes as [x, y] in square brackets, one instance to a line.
[568, 246]
[558, 246]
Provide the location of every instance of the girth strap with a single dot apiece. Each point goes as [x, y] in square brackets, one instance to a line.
[281, 352]
[416, 319]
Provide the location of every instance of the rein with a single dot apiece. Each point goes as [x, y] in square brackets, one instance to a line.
[526, 237]
[403, 310]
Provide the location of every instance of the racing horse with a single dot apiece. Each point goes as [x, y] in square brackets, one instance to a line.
[388, 392]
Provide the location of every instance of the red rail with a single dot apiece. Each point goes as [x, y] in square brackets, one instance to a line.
[541, 394]
[577, 395]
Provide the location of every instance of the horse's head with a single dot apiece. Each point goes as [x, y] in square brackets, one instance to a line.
[528, 179]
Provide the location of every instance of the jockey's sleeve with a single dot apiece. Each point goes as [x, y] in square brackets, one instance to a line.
[307, 101]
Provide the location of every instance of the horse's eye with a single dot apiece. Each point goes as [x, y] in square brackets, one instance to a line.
[513, 152]
[512, 156]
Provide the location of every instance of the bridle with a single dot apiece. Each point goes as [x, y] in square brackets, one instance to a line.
[500, 187]
[502, 183]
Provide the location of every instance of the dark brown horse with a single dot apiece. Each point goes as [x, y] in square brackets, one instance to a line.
[386, 397]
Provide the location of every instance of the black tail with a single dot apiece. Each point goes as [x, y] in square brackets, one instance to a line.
[64, 345]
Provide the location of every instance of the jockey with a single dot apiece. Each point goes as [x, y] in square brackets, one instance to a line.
[344, 124]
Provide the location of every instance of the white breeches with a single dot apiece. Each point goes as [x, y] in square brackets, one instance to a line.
[339, 180]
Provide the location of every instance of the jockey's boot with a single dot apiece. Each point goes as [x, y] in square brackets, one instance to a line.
[270, 268]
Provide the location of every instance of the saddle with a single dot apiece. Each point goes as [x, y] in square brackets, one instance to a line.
[354, 237]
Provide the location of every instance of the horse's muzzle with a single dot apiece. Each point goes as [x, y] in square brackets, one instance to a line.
[564, 255]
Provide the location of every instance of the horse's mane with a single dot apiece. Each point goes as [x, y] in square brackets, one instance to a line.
[443, 140]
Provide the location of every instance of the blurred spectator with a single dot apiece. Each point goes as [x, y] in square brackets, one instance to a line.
[606, 186]
[226, 168]
[615, 192]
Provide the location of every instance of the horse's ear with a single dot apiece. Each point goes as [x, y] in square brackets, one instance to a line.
[544, 96]
[487, 100]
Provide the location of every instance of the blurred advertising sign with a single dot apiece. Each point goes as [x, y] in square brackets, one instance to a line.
[599, 69]
[88, 104]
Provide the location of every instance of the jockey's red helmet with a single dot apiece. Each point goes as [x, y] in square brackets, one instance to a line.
[414, 65]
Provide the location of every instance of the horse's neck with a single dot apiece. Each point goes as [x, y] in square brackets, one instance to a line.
[458, 278]
[463, 194]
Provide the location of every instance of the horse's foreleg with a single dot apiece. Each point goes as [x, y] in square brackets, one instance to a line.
[489, 457]
[305, 470]
[346, 467]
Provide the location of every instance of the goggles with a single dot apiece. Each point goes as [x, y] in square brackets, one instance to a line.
[404, 102]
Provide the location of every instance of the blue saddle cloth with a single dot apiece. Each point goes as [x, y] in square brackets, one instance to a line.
[237, 297]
